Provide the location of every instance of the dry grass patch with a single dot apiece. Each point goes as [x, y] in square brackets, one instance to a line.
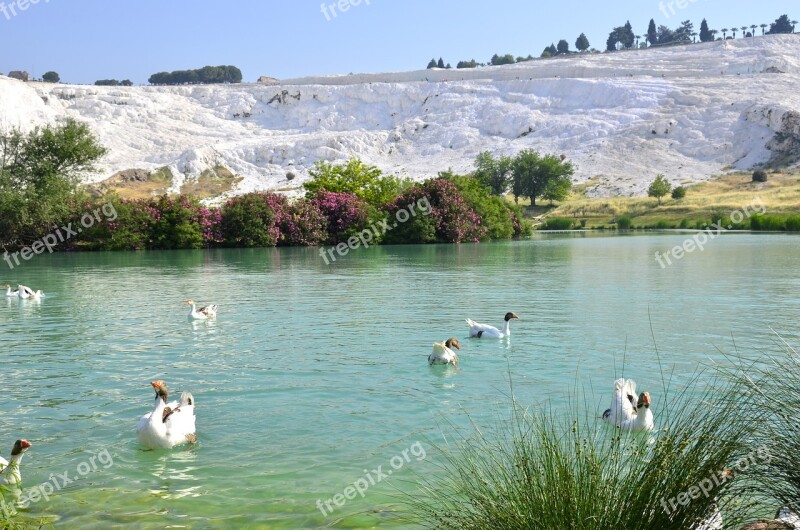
[211, 183]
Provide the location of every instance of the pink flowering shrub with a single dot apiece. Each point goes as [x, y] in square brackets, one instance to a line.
[450, 220]
[345, 212]
[253, 220]
[302, 223]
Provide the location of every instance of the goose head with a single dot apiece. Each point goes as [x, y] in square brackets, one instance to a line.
[20, 446]
[510, 315]
[453, 343]
[188, 302]
[644, 400]
[161, 389]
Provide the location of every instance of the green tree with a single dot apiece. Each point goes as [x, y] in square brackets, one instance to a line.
[563, 46]
[39, 177]
[467, 64]
[659, 187]
[531, 173]
[494, 172]
[684, 32]
[366, 182]
[652, 33]
[51, 77]
[440, 64]
[432, 64]
[557, 189]
[498, 60]
[582, 44]
[679, 193]
[781, 25]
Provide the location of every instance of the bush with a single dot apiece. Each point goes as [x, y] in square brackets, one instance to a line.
[450, 218]
[251, 220]
[767, 223]
[759, 175]
[303, 224]
[497, 215]
[558, 223]
[624, 222]
[346, 214]
[365, 182]
[679, 192]
[663, 225]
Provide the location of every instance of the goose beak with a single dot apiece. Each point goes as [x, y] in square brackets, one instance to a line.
[644, 400]
[25, 444]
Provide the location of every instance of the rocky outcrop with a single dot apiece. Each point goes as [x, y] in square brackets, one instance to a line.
[264, 80]
[19, 75]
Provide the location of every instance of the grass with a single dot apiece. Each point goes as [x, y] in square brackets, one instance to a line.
[780, 196]
[544, 471]
[211, 183]
[10, 519]
[157, 183]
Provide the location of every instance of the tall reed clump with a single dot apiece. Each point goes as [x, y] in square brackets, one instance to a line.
[544, 470]
[771, 390]
[10, 518]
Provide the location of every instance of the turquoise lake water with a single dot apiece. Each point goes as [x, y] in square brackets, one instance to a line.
[313, 375]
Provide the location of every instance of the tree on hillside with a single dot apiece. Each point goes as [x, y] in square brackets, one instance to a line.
[652, 34]
[467, 64]
[794, 23]
[665, 35]
[628, 37]
[622, 34]
[498, 60]
[432, 64]
[781, 25]
[557, 189]
[366, 182]
[51, 77]
[763, 28]
[494, 172]
[531, 173]
[659, 187]
[684, 32]
[582, 44]
[744, 31]
[705, 33]
[563, 46]
[724, 33]
[753, 30]
[440, 64]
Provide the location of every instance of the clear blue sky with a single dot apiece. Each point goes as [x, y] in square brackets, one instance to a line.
[86, 40]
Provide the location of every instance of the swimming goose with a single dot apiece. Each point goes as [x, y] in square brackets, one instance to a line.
[27, 293]
[209, 311]
[484, 330]
[9, 292]
[443, 354]
[170, 424]
[9, 470]
[623, 404]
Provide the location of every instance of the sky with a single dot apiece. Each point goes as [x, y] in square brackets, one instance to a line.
[87, 40]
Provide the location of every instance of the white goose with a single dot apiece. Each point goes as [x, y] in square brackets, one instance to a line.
[170, 424]
[624, 414]
[443, 354]
[209, 311]
[26, 293]
[9, 470]
[11, 293]
[484, 330]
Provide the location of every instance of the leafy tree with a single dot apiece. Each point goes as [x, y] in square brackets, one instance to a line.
[449, 66]
[205, 75]
[659, 187]
[126, 82]
[107, 82]
[494, 173]
[531, 173]
[582, 44]
[557, 189]
[759, 175]
[611, 42]
[705, 33]
[498, 60]
[652, 34]
[467, 64]
[684, 32]
[432, 64]
[440, 64]
[563, 46]
[39, 177]
[51, 77]
[781, 25]
[365, 182]
[546, 53]
[627, 35]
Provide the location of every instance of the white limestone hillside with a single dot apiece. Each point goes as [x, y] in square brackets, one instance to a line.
[689, 112]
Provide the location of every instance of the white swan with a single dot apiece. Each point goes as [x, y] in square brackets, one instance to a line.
[26, 293]
[484, 330]
[638, 418]
[209, 311]
[170, 424]
[9, 470]
[11, 293]
[443, 354]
